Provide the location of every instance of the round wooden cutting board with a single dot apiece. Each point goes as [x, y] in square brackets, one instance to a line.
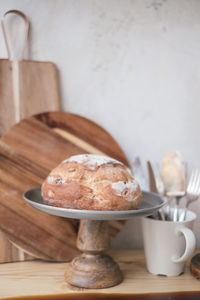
[28, 152]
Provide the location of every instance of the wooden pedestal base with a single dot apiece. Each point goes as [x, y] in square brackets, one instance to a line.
[93, 269]
[93, 272]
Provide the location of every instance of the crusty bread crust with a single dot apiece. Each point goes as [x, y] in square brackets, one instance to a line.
[91, 182]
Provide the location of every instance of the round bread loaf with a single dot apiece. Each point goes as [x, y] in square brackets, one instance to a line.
[91, 182]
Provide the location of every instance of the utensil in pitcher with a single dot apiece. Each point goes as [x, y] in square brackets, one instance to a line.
[173, 176]
[193, 192]
[178, 196]
[155, 186]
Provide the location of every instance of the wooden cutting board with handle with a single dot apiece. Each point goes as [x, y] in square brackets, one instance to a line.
[27, 88]
[28, 151]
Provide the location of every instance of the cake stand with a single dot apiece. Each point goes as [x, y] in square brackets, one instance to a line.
[94, 269]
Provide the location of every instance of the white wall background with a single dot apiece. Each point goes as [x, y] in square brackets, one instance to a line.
[133, 66]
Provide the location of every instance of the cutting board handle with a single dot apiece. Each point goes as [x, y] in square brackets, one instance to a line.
[27, 24]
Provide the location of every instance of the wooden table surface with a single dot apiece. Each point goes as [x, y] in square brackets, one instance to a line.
[42, 278]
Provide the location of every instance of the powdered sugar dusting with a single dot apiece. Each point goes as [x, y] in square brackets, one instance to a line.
[121, 186]
[52, 179]
[91, 160]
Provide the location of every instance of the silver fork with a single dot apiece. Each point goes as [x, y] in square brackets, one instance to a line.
[193, 191]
